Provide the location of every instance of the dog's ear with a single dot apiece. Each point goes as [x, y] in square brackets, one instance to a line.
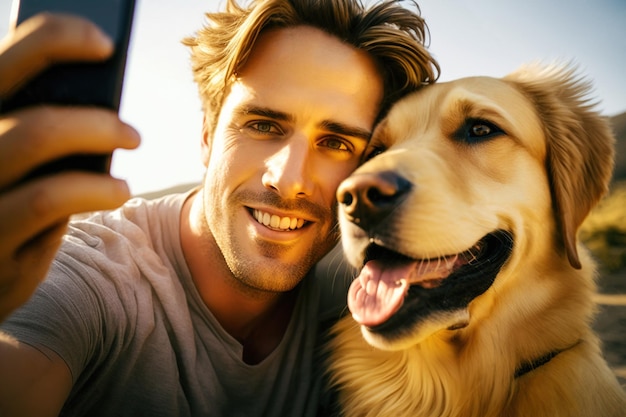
[580, 145]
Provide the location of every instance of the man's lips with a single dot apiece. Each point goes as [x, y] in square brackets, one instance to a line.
[275, 222]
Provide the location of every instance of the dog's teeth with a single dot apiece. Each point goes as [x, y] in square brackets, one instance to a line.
[475, 252]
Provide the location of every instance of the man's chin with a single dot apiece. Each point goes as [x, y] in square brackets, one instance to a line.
[270, 274]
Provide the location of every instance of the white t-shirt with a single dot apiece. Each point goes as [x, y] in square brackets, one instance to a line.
[119, 306]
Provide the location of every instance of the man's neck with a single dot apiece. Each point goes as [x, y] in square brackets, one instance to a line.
[257, 319]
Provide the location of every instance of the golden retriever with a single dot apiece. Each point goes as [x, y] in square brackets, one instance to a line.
[474, 297]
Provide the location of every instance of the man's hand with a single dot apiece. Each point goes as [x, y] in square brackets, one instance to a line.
[34, 214]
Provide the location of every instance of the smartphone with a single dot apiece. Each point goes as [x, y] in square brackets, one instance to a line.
[78, 84]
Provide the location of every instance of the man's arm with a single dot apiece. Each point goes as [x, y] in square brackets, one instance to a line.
[34, 214]
[32, 382]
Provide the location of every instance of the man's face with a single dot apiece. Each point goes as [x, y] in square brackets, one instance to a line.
[294, 124]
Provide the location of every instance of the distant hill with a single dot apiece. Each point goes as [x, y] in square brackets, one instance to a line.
[604, 231]
[619, 128]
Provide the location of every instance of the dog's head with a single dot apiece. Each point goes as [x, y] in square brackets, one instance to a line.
[464, 179]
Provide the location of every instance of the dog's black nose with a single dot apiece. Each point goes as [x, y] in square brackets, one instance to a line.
[368, 198]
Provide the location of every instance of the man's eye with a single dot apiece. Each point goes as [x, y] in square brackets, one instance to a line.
[264, 127]
[336, 144]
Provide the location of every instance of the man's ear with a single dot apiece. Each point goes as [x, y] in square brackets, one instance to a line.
[207, 139]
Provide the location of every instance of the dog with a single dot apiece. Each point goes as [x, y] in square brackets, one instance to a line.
[474, 297]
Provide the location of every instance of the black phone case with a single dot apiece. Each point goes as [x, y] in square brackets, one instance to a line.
[79, 84]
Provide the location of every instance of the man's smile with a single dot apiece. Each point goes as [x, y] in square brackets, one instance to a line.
[276, 222]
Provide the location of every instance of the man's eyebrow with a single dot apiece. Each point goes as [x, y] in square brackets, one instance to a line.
[345, 130]
[263, 112]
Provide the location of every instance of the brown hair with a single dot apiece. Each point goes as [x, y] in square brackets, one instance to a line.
[394, 36]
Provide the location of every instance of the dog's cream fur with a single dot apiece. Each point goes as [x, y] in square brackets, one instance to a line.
[538, 180]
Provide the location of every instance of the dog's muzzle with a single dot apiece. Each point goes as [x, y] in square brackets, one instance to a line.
[393, 291]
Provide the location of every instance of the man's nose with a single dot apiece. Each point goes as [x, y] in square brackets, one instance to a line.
[288, 170]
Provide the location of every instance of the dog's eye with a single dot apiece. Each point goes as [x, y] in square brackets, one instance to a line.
[476, 130]
[481, 129]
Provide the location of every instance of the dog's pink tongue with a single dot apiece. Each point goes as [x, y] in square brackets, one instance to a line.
[378, 292]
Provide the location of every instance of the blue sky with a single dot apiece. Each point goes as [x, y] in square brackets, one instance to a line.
[468, 37]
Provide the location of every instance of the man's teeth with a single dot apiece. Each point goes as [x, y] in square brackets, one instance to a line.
[276, 222]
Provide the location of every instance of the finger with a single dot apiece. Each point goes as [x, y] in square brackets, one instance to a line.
[29, 210]
[33, 136]
[46, 39]
[43, 247]
[23, 272]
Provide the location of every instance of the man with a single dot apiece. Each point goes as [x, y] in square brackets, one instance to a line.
[199, 303]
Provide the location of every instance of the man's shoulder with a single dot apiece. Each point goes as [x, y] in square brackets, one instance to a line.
[142, 232]
[138, 215]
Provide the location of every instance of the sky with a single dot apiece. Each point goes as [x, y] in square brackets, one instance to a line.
[468, 37]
